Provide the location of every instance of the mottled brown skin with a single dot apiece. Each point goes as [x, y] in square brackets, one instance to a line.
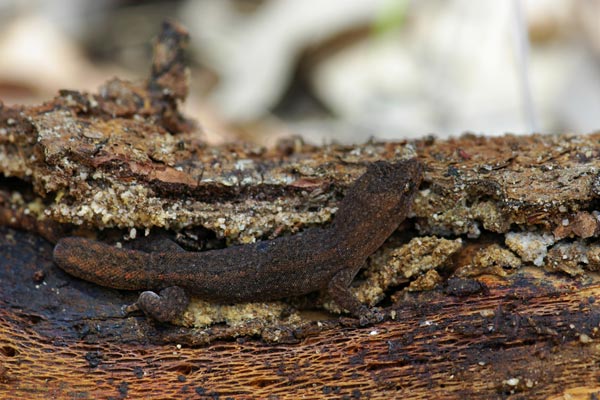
[316, 259]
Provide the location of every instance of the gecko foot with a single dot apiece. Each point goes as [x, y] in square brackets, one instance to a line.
[163, 307]
[368, 315]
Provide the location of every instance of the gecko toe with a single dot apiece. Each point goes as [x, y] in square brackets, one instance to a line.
[369, 316]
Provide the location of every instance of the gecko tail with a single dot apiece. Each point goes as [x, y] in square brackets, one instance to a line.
[101, 263]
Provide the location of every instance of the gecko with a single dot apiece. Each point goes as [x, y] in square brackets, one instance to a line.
[319, 258]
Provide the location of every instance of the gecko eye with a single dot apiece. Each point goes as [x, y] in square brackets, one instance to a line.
[410, 186]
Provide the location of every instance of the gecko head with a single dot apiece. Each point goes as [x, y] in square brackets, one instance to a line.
[380, 199]
[383, 193]
[390, 187]
[394, 181]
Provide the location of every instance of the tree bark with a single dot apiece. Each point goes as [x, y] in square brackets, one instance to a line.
[505, 307]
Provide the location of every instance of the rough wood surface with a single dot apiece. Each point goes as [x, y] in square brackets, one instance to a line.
[529, 336]
[505, 305]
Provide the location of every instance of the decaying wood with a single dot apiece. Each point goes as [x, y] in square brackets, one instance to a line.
[533, 334]
[505, 305]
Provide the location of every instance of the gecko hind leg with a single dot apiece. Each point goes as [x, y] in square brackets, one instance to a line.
[165, 306]
[339, 290]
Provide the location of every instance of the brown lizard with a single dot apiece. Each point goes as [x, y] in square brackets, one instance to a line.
[316, 259]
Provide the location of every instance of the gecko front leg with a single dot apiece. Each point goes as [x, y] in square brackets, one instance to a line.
[339, 290]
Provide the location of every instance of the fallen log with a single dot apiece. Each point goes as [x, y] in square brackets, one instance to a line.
[490, 288]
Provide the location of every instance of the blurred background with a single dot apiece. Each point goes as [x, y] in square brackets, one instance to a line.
[329, 70]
